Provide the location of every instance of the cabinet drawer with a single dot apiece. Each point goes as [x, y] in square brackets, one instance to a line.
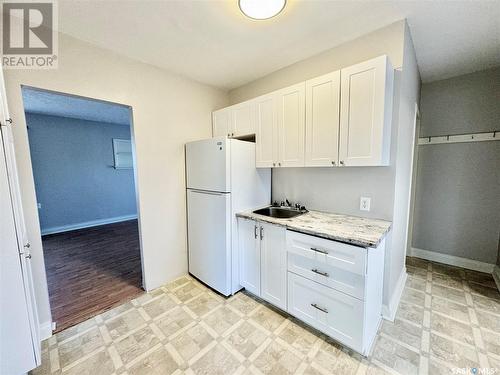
[345, 281]
[336, 254]
[336, 314]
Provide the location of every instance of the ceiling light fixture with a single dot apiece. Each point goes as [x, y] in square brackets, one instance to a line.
[261, 9]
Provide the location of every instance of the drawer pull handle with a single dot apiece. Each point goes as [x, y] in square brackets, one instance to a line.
[319, 250]
[319, 308]
[320, 272]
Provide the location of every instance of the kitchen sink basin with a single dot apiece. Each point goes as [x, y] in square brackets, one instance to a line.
[280, 212]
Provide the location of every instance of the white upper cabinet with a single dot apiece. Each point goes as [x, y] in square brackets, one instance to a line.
[290, 105]
[221, 122]
[322, 120]
[365, 113]
[243, 119]
[235, 121]
[338, 119]
[266, 134]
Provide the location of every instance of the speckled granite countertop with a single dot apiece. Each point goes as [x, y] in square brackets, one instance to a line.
[358, 231]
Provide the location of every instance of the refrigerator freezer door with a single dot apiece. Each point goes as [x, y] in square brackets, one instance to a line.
[209, 238]
[208, 165]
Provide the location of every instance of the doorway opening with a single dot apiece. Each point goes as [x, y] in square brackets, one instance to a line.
[83, 160]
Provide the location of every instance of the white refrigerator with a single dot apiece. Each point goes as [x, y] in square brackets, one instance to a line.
[221, 180]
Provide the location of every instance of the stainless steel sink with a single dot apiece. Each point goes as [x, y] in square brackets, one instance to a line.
[280, 212]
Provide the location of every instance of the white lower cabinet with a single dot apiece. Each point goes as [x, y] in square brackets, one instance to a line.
[263, 261]
[338, 315]
[249, 255]
[273, 265]
[332, 286]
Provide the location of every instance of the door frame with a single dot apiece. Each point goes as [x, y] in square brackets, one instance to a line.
[134, 159]
[412, 190]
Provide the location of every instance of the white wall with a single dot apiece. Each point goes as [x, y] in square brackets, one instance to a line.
[168, 111]
[339, 189]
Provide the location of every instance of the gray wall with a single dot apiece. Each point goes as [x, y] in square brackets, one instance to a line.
[75, 181]
[457, 204]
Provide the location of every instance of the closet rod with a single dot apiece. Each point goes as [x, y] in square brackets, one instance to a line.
[460, 138]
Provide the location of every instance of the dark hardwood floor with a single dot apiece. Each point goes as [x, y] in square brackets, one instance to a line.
[92, 270]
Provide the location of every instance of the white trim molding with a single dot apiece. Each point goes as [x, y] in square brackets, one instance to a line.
[452, 260]
[87, 224]
[45, 330]
[496, 276]
[389, 311]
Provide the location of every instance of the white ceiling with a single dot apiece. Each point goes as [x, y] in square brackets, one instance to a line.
[56, 104]
[212, 42]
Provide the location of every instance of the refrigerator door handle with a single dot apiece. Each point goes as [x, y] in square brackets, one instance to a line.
[206, 192]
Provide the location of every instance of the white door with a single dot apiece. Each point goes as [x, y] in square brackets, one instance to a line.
[365, 114]
[208, 165]
[209, 238]
[322, 120]
[243, 119]
[273, 264]
[221, 123]
[266, 135]
[17, 354]
[290, 104]
[19, 347]
[249, 254]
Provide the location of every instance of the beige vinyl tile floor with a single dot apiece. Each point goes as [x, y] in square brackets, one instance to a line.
[448, 321]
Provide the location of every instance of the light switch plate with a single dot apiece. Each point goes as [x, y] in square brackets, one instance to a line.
[364, 203]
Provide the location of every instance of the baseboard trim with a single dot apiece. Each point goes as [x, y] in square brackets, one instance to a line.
[389, 311]
[496, 276]
[87, 224]
[45, 330]
[452, 260]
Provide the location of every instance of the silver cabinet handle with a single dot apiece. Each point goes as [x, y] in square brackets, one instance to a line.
[320, 272]
[28, 245]
[319, 250]
[274, 164]
[255, 231]
[319, 308]
[333, 163]
[279, 164]
[261, 233]
[341, 162]
[28, 256]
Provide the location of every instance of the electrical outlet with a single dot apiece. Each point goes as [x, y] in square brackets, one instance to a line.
[39, 205]
[364, 203]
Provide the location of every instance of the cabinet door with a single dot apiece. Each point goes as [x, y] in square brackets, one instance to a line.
[366, 113]
[266, 132]
[243, 119]
[221, 123]
[322, 120]
[273, 265]
[290, 107]
[249, 254]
